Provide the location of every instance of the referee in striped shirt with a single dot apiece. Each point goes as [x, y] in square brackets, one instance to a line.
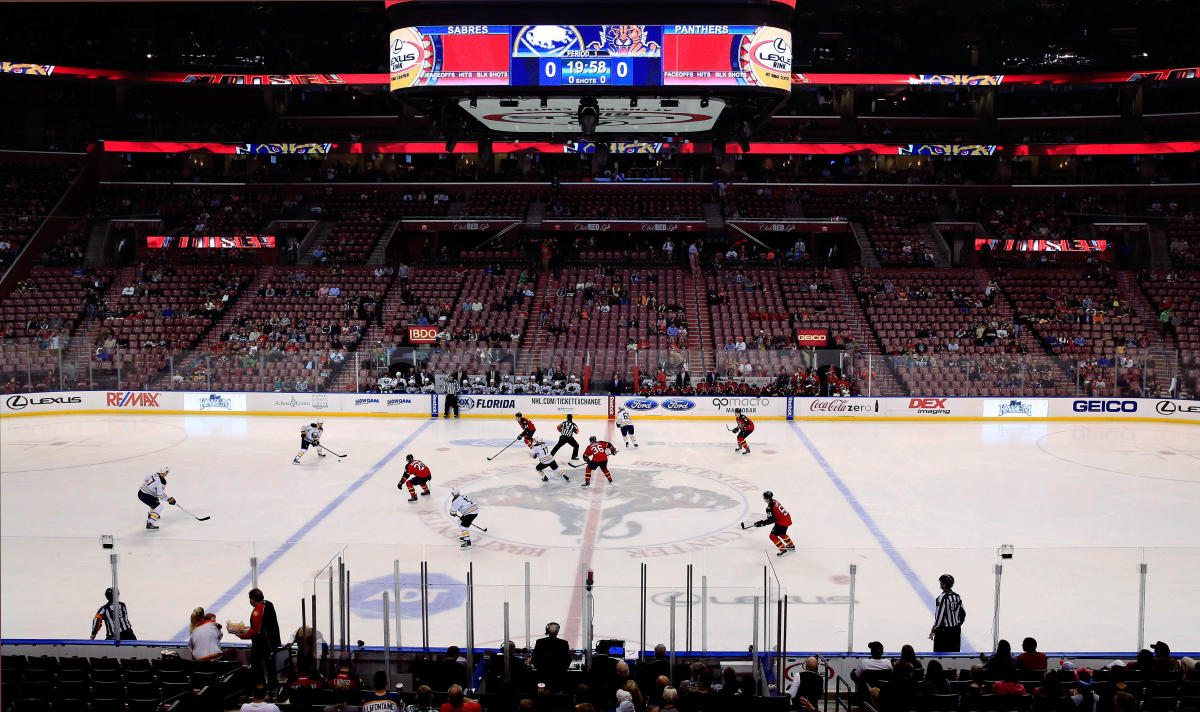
[566, 436]
[452, 389]
[946, 633]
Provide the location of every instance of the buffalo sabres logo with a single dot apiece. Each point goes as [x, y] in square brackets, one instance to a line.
[631, 511]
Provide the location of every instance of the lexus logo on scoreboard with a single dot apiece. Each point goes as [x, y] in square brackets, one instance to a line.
[422, 334]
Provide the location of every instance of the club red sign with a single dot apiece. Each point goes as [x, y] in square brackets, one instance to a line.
[422, 334]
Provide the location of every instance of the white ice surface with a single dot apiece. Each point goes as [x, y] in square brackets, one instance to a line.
[1083, 503]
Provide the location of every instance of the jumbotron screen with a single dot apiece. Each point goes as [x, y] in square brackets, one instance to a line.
[591, 56]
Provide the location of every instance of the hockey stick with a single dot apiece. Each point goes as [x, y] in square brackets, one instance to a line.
[198, 519]
[732, 430]
[331, 452]
[571, 464]
[482, 529]
[752, 525]
[493, 457]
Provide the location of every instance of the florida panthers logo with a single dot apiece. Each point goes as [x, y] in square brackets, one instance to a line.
[632, 511]
[626, 41]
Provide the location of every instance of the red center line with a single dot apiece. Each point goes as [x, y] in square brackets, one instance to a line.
[591, 532]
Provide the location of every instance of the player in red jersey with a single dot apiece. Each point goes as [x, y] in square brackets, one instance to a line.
[779, 517]
[596, 456]
[420, 474]
[745, 426]
[527, 429]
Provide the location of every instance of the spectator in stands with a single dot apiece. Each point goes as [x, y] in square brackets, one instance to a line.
[1084, 698]
[551, 657]
[907, 653]
[381, 700]
[1008, 685]
[1125, 702]
[1031, 659]
[423, 701]
[808, 685]
[263, 634]
[1051, 688]
[1164, 665]
[457, 701]
[670, 699]
[341, 703]
[258, 701]
[625, 701]
[1001, 661]
[204, 637]
[875, 662]
[450, 670]
[935, 682]
[901, 694]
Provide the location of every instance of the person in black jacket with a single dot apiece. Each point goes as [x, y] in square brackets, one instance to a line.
[551, 657]
[263, 634]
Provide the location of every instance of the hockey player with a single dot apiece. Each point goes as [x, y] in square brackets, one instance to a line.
[625, 423]
[310, 435]
[745, 426]
[779, 517]
[527, 428]
[539, 451]
[152, 492]
[420, 475]
[465, 511]
[596, 456]
[566, 436]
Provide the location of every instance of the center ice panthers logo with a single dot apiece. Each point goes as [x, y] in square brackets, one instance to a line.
[625, 40]
[631, 514]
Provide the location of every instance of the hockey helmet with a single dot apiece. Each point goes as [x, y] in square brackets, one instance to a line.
[164, 470]
[456, 492]
[946, 579]
[518, 415]
[408, 457]
[768, 495]
[592, 439]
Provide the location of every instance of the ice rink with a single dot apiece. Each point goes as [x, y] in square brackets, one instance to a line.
[1082, 503]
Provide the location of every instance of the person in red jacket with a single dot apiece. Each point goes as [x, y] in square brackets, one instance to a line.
[779, 517]
[745, 426]
[527, 429]
[596, 456]
[420, 474]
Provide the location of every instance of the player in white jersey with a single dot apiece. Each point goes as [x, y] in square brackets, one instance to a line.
[625, 423]
[152, 493]
[465, 511]
[540, 451]
[310, 435]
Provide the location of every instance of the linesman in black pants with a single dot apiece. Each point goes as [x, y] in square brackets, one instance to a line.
[452, 389]
[948, 618]
[566, 436]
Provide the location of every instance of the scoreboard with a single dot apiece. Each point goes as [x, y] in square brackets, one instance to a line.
[590, 56]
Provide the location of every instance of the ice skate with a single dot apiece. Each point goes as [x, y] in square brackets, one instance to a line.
[412, 499]
[151, 525]
[545, 479]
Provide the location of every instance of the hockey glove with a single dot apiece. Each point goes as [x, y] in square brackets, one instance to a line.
[762, 522]
[400, 484]
[170, 500]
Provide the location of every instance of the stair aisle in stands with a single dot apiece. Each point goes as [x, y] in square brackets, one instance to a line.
[700, 346]
[533, 338]
[1163, 349]
[885, 382]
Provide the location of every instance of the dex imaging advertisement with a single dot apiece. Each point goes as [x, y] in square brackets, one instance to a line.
[591, 56]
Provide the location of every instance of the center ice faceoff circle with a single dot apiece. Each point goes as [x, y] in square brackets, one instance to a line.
[649, 504]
